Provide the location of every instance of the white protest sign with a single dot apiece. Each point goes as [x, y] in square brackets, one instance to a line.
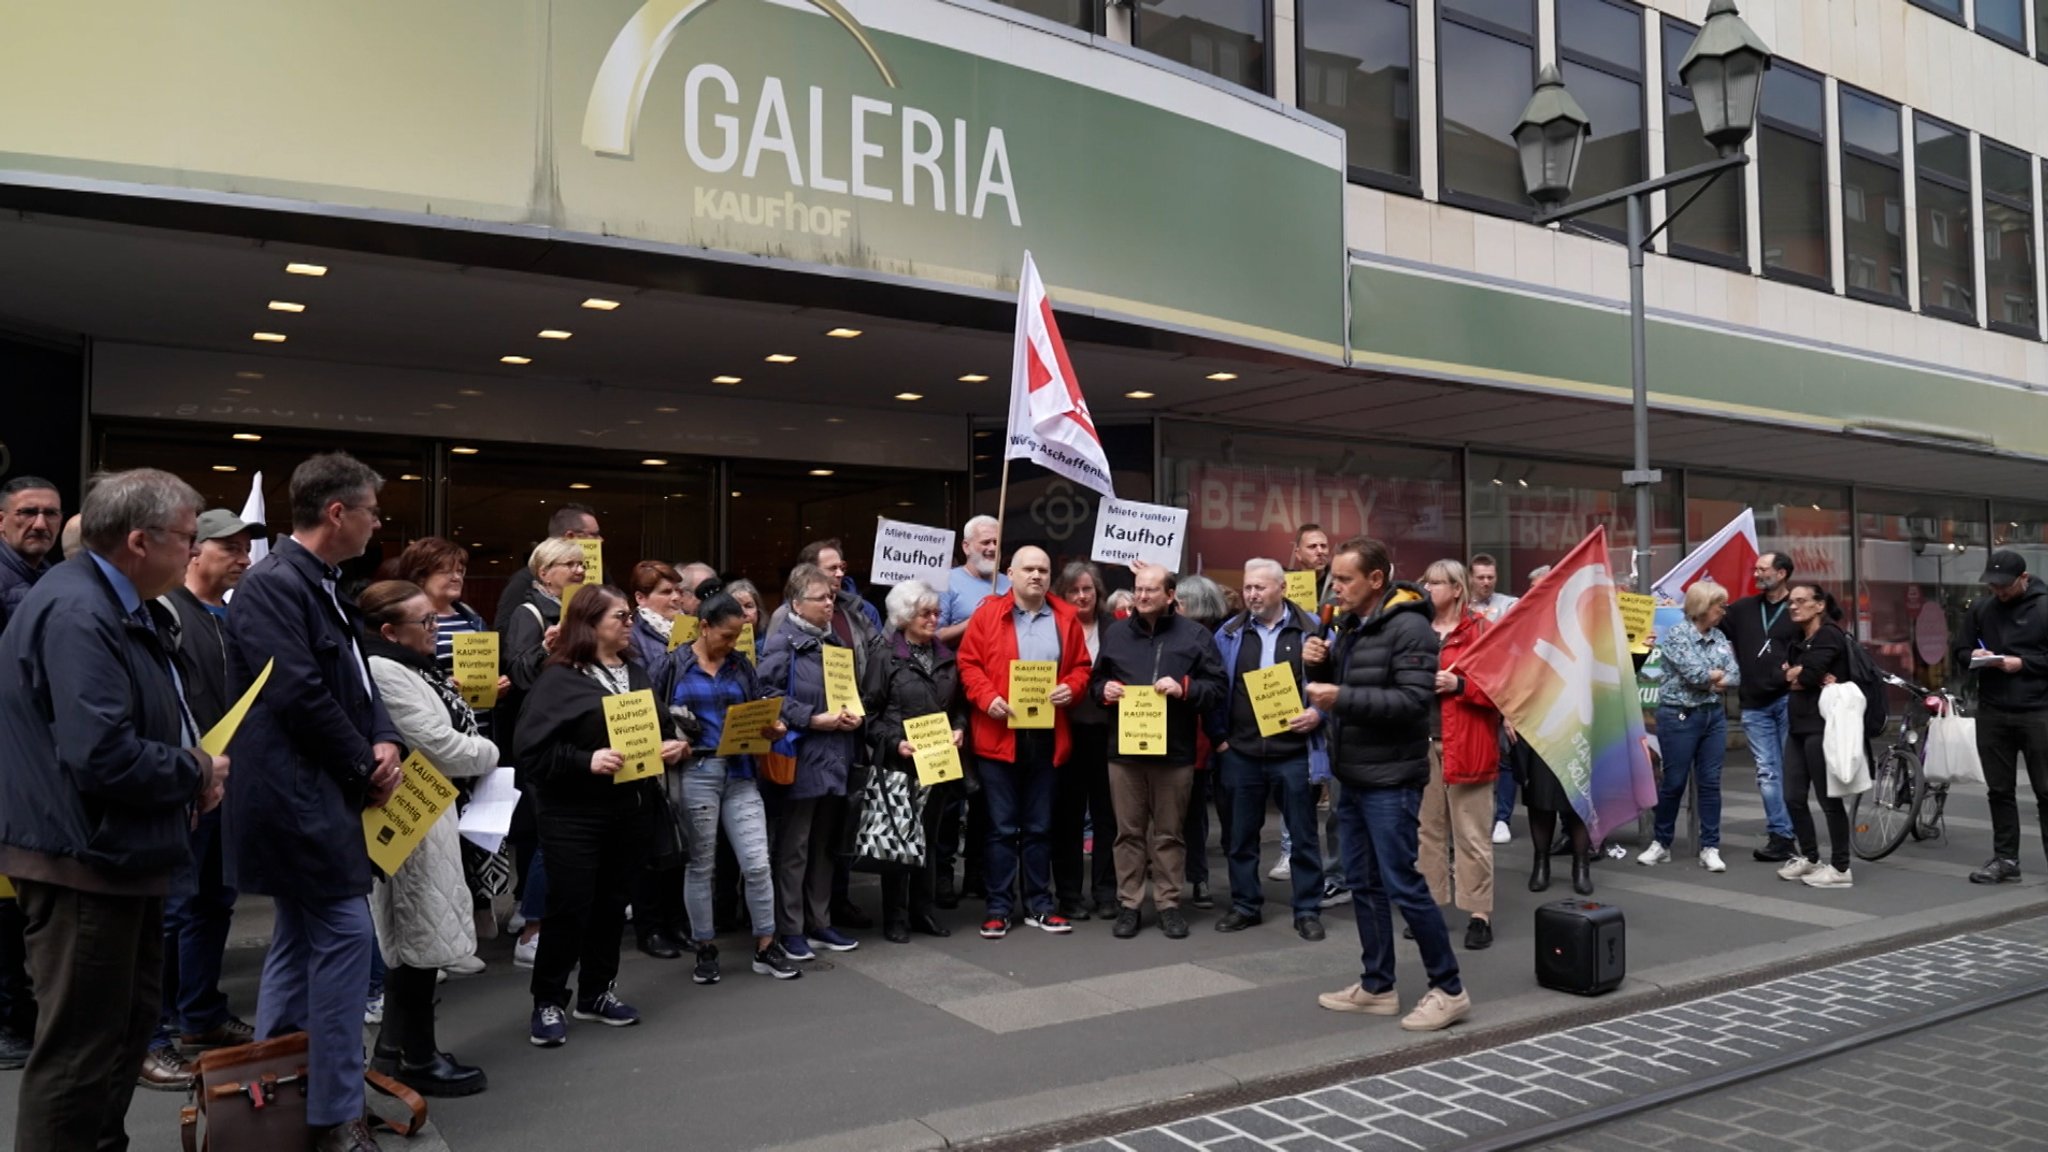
[910, 552]
[1126, 530]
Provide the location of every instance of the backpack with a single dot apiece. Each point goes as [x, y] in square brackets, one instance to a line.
[1864, 674]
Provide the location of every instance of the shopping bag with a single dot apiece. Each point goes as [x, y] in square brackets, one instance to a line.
[1951, 753]
[1846, 749]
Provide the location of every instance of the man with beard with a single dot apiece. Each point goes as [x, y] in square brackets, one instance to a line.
[975, 580]
[1760, 631]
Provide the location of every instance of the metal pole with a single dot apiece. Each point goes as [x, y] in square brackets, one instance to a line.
[1641, 477]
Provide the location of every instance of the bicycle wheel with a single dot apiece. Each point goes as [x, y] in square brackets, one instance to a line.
[1880, 818]
[1927, 823]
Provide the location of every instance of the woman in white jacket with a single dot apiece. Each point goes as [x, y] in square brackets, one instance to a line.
[423, 912]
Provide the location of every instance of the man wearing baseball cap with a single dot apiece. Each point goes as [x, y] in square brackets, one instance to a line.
[2006, 639]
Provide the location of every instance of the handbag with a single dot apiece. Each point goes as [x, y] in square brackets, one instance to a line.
[1951, 753]
[890, 834]
[254, 1099]
[1843, 745]
[778, 764]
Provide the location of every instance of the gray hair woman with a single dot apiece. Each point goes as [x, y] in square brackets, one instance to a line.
[1692, 726]
[911, 673]
[1201, 600]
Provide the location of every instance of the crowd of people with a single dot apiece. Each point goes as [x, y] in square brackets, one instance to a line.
[127, 843]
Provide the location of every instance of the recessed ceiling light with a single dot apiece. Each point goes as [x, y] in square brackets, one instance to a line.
[1221, 377]
[781, 358]
[735, 495]
[835, 419]
[600, 304]
[286, 306]
[983, 456]
[1140, 394]
[298, 269]
[238, 391]
[725, 379]
[974, 378]
[469, 391]
[269, 337]
[843, 333]
[248, 375]
[554, 334]
[630, 422]
[654, 462]
[910, 395]
[906, 503]
[410, 476]
[579, 486]
[252, 437]
[821, 471]
[665, 411]
[515, 359]
[445, 407]
[470, 452]
[223, 467]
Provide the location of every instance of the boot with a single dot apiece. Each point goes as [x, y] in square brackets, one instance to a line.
[1539, 876]
[1582, 874]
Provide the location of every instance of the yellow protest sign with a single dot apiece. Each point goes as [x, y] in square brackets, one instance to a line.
[6, 889]
[842, 691]
[1141, 722]
[633, 725]
[682, 630]
[743, 734]
[745, 644]
[568, 594]
[1031, 685]
[476, 668]
[1301, 590]
[217, 738]
[1638, 609]
[593, 562]
[931, 740]
[1275, 697]
[394, 830]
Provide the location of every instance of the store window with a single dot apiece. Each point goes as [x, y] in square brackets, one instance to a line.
[1247, 492]
[1873, 199]
[1941, 159]
[1808, 523]
[1081, 14]
[1946, 9]
[2040, 30]
[1052, 511]
[1357, 70]
[2023, 527]
[1711, 228]
[1600, 50]
[1486, 68]
[1792, 165]
[2011, 305]
[1919, 560]
[775, 508]
[2004, 21]
[1225, 38]
[1529, 513]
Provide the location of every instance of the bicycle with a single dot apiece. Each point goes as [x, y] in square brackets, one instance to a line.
[1900, 801]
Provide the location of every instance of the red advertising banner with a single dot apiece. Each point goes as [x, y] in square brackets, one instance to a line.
[1239, 513]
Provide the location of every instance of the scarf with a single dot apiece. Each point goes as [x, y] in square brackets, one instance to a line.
[424, 665]
[662, 625]
[805, 626]
[923, 654]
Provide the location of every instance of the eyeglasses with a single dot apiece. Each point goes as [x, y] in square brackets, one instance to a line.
[375, 512]
[428, 621]
[621, 617]
[191, 538]
[28, 514]
[932, 613]
[822, 598]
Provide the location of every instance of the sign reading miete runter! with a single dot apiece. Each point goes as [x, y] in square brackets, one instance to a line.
[1126, 530]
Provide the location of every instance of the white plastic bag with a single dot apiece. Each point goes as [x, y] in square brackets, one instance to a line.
[1847, 752]
[1951, 753]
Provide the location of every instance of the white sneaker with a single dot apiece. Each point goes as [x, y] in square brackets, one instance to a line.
[1655, 854]
[1797, 867]
[373, 1009]
[515, 923]
[1501, 832]
[1284, 870]
[524, 952]
[1710, 859]
[1825, 876]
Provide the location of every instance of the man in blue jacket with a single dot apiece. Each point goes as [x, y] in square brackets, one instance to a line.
[103, 778]
[319, 749]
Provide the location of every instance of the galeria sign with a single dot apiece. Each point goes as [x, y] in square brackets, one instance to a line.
[911, 552]
[1126, 530]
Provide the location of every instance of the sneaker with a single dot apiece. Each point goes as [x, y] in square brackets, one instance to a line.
[1201, 898]
[1126, 924]
[607, 1009]
[515, 923]
[1655, 854]
[524, 952]
[995, 928]
[707, 963]
[1997, 871]
[550, 1026]
[1284, 870]
[1051, 922]
[1797, 867]
[1437, 1010]
[1357, 999]
[1776, 850]
[467, 966]
[1501, 832]
[1710, 859]
[773, 961]
[1173, 924]
[1826, 876]
[1478, 935]
[798, 949]
[373, 1009]
[1335, 894]
[832, 940]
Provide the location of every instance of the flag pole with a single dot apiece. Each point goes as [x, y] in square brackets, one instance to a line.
[1002, 505]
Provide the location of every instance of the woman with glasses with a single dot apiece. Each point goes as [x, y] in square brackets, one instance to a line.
[1692, 724]
[912, 673]
[525, 638]
[439, 568]
[1456, 854]
[1818, 657]
[594, 830]
[1080, 797]
[422, 911]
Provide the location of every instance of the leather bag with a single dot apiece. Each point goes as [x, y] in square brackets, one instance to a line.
[254, 1099]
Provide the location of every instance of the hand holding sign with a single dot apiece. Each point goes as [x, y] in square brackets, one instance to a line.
[1127, 531]
[1276, 702]
[1141, 722]
[1301, 591]
[747, 727]
[633, 726]
[476, 668]
[1031, 685]
[932, 750]
[392, 830]
[842, 691]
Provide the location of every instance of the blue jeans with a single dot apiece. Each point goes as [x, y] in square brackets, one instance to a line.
[1019, 799]
[711, 798]
[196, 938]
[1767, 728]
[1381, 830]
[1504, 787]
[313, 982]
[1691, 740]
[533, 905]
[1246, 781]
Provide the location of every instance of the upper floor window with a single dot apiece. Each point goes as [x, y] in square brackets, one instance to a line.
[2004, 21]
[1486, 67]
[1873, 199]
[1712, 227]
[1225, 38]
[1792, 174]
[1357, 70]
[1600, 52]
[2009, 298]
[1948, 276]
[1946, 9]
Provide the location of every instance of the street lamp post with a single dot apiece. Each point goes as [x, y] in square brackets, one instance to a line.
[1724, 69]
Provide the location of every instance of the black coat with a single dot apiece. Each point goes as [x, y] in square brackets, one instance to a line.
[896, 688]
[1824, 654]
[201, 652]
[521, 627]
[1384, 666]
[561, 725]
[302, 760]
[1762, 668]
[98, 785]
[1134, 652]
[2016, 629]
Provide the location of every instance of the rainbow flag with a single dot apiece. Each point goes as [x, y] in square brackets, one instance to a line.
[1558, 668]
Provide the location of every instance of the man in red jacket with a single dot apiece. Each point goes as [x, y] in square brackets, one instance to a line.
[1016, 759]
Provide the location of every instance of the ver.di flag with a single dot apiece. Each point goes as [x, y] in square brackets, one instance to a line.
[1049, 421]
[1728, 559]
[252, 515]
[1558, 668]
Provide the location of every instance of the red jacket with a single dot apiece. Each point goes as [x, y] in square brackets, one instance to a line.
[1471, 723]
[986, 649]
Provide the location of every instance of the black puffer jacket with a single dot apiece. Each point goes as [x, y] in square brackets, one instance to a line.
[897, 688]
[1384, 666]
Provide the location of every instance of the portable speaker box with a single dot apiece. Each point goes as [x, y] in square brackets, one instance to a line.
[1580, 947]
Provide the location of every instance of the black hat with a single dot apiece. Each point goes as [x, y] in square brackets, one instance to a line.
[2006, 566]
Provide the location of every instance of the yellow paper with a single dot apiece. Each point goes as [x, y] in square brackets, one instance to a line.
[568, 594]
[1301, 590]
[6, 888]
[745, 644]
[743, 724]
[1141, 722]
[593, 561]
[217, 739]
[1638, 609]
[633, 726]
[1031, 685]
[394, 830]
[931, 738]
[1275, 697]
[476, 668]
[842, 691]
[683, 630]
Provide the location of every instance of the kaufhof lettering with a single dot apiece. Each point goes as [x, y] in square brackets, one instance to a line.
[913, 556]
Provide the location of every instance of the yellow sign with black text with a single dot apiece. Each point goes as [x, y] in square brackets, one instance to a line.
[1301, 591]
[476, 668]
[632, 722]
[395, 829]
[931, 742]
[1276, 699]
[1031, 685]
[842, 690]
[1638, 611]
[682, 630]
[743, 734]
[1141, 722]
[593, 561]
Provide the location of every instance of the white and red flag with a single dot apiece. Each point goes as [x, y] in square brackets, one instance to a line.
[1729, 559]
[1049, 421]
